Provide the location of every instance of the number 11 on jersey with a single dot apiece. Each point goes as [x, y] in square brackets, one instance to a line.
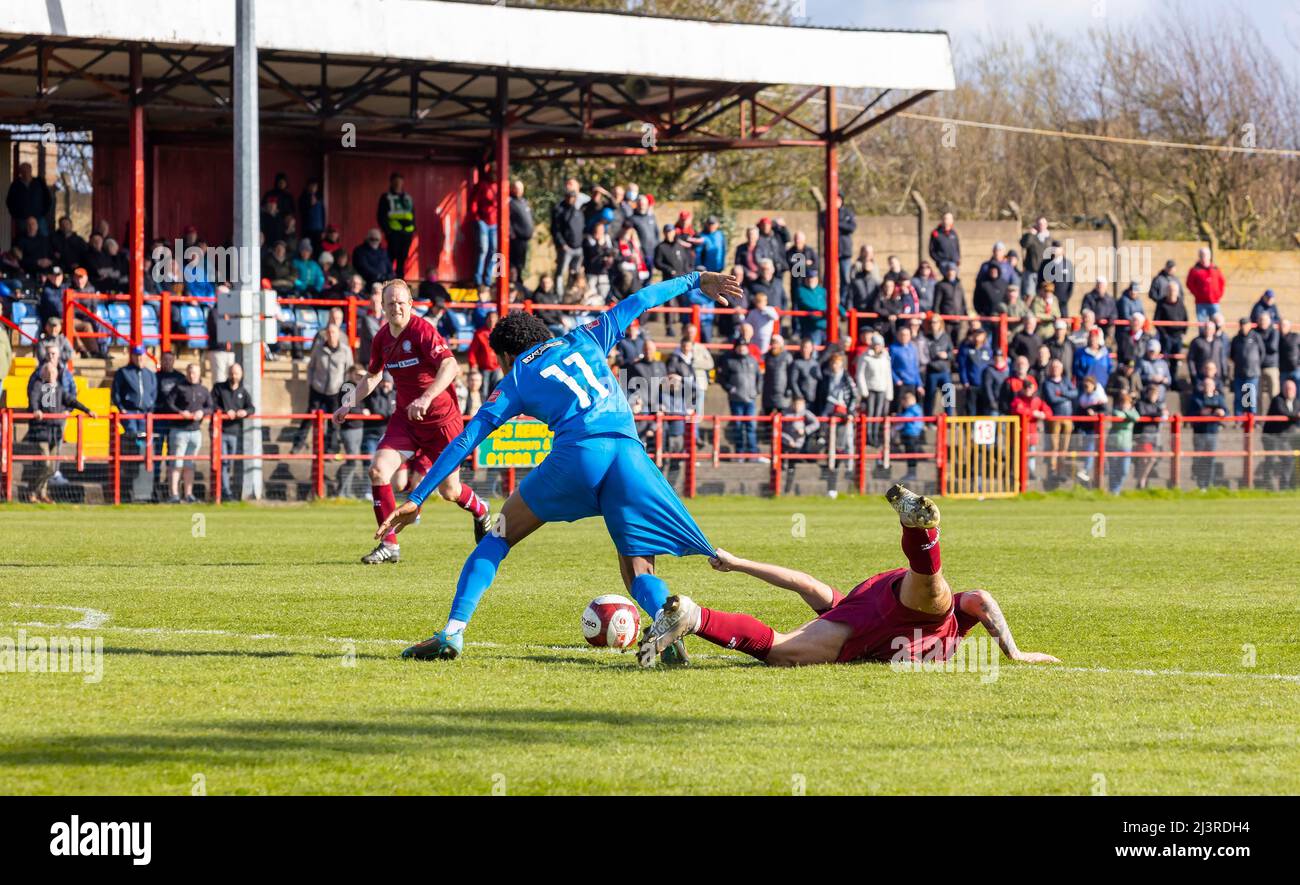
[584, 400]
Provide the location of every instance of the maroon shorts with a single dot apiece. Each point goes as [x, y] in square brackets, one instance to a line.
[885, 630]
[419, 463]
[414, 438]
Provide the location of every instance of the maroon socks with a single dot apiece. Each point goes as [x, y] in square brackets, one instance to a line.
[471, 502]
[384, 504]
[921, 547]
[734, 630]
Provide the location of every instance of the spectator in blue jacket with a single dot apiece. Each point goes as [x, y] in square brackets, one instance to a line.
[1206, 402]
[706, 318]
[810, 294]
[905, 358]
[312, 206]
[310, 279]
[994, 376]
[135, 391]
[711, 254]
[1000, 259]
[1267, 303]
[1129, 303]
[371, 260]
[51, 297]
[911, 434]
[972, 358]
[1093, 360]
[1060, 392]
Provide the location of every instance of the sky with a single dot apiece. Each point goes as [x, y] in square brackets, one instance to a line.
[967, 20]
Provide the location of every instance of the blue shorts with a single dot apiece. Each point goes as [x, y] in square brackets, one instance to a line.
[613, 477]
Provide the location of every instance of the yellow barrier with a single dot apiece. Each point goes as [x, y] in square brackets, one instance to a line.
[983, 457]
[97, 399]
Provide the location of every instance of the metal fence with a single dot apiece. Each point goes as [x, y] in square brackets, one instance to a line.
[124, 458]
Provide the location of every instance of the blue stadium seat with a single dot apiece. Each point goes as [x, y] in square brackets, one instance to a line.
[101, 310]
[119, 315]
[193, 322]
[25, 317]
[190, 314]
[150, 330]
[307, 322]
[460, 319]
[119, 312]
[196, 337]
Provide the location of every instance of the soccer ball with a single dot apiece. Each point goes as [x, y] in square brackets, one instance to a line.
[611, 621]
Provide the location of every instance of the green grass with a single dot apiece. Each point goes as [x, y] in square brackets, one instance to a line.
[1175, 584]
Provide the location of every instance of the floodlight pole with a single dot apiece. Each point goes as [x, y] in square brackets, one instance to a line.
[249, 259]
[136, 236]
[832, 252]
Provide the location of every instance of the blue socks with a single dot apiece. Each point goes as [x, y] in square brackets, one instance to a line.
[650, 592]
[479, 572]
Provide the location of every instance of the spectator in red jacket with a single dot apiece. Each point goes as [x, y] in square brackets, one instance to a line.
[1205, 282]
[483, 212]
[482, 357]
[1032, 409]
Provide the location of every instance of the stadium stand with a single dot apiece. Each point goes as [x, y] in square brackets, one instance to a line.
[788, 431]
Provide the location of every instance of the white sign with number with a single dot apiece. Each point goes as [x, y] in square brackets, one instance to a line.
[985, 433]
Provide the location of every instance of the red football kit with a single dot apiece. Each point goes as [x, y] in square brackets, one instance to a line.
[412, 359]
[883, 629]
[886, 630]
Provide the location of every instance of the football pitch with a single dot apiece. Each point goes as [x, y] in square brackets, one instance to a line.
[246, 651]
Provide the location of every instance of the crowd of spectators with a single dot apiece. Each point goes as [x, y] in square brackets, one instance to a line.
[924, 346]
[922, 351]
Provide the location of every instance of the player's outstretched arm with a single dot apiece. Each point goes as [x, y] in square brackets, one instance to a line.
[456, 451]
[717, 286]
[355, 395]
[982, 605]
[818, 595]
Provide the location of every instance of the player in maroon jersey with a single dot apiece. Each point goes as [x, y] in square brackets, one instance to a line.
[907, 614]
[427, 416]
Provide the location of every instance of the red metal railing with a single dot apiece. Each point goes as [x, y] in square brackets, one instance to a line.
[353, 306]
[1098, 439]
[846, 445]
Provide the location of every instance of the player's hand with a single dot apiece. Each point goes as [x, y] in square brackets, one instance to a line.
[399, 519]
[340, 415]
[720, 287]
[1037, 657]
[722, 561]
[415, 411]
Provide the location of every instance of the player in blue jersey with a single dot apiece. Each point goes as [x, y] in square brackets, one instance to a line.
[597, 465]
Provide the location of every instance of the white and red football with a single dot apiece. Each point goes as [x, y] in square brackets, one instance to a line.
[611, 621]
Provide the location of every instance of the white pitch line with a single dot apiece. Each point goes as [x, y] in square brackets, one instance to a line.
[1206, 674]
[91, 618]
[94, 619]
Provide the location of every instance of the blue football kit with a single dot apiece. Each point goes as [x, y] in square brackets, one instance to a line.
[597, 465]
